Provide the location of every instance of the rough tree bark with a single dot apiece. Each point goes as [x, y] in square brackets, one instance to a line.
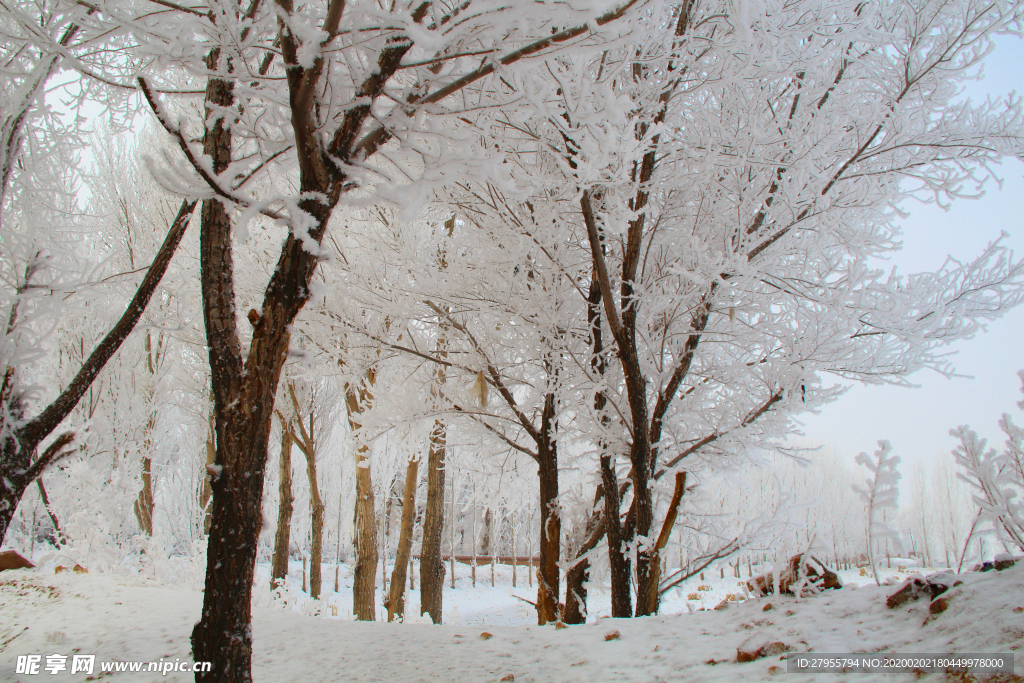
[396, 600]
[431, 564]
[364, 585]
[282, 539]
[550, 517]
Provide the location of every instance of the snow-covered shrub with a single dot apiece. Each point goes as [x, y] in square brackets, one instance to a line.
[881, 493]
[996, 478]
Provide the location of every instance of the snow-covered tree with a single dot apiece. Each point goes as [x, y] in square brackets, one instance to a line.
[880, 494]
[996, 478]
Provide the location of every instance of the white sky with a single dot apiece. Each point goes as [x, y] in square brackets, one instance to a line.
[917, 421]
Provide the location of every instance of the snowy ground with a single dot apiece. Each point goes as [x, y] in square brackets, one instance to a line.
[129, 619]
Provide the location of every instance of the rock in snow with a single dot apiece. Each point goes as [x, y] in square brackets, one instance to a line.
[815, 575]
[12, 560]
[916, 587]
[760, 645]
[1004, 561]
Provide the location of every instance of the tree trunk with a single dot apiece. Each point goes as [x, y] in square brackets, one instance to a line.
[244, 393]
[364, 584]
[144, 503]
[576, 593]
[224, 635]
[396, 601]
[550, 519]
[57, 533]
[576, 578]
[431, 564]
[485, 542]
[317, 519]
[282, 539]
[618, 561]
[316, 505]
[648, 601]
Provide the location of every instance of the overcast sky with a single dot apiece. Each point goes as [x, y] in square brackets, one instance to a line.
[917, 421]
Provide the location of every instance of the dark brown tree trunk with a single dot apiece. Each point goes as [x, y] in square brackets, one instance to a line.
[431, 564]
[396, 600]
[243, 403]
[576, 593]
[550, 518]
[57, 533]
[282, 539]
[618, 561]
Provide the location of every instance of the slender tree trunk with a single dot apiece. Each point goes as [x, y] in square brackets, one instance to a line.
[550, 519]
[57, 533]
[316, 524]
[144, 503]
[396, 600]
[431, 564]
[485, 542]
[282, 539]
[337, 545]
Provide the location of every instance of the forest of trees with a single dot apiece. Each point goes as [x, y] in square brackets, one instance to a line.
[361, 281]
